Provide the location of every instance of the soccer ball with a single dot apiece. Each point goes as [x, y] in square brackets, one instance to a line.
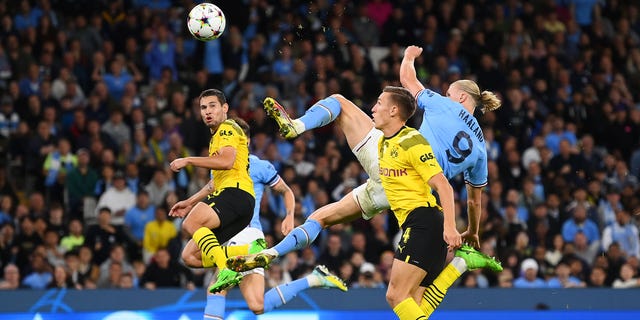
[206, 22]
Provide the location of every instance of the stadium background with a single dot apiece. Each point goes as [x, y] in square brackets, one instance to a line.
[94, 92]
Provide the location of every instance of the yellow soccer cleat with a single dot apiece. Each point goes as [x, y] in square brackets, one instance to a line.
[279, 114]
[250, 261]
[328, 280]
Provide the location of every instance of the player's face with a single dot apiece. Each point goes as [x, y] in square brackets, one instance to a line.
[455, 94]
[381, 111]
[212, 112]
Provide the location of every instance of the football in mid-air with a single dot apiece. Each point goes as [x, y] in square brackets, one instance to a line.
[206, 22]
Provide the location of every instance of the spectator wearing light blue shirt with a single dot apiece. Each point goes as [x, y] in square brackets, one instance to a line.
[624, 232]
[564, 279]
[40, 276]
[529, 276]
[138, 216]
[579, 222]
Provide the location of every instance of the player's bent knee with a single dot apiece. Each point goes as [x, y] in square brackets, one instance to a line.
[256, 305]
[190, 260]
[394, 296]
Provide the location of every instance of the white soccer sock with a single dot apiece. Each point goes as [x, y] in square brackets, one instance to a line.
[459, 264]
[298, 126]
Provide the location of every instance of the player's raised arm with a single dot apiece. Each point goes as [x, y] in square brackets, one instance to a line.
[408, 76]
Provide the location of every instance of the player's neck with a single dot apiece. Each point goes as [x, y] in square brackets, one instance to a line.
[392, 129]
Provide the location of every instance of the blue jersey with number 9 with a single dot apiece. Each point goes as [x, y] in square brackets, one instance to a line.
[455, 137]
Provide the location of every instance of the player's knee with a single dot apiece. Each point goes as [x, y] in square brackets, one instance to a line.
[190, 260]
[394, 296]
[256, 305]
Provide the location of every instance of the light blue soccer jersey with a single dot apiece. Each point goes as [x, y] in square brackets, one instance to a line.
[263, 174]
[455, 137]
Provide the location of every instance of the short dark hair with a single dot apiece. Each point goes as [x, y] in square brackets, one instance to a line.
[403, 99]
[213, 92]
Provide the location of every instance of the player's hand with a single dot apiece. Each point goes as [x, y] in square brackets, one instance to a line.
[412, 52]
[287, 224]
[178, 164]
[452, 238]
[471, 239]
[180, 209]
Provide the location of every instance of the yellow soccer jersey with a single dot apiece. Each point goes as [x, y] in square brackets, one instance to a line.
[407, 163]
[230, 134]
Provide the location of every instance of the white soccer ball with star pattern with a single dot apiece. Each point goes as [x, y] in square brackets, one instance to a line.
[206, 22]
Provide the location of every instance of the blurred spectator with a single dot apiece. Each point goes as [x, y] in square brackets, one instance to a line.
[136, 218]
[74, 238]
[529, 276]
[61, 279]
[369, 277]
[563, 278]
[9, 119]
[334, 254]
[159, 187]
[597, 278]
[157, 234]
[118, 198]
[104, 236]
[11, 278]
[39, 274]
[627, 278]
[625, 233]
[88, 270]
[54, 253]
[116, 128]
[580, 223]
[25, 242]
[117, 260]
[164, 273]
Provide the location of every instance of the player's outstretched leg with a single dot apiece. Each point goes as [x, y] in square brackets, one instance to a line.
[320, 114]
[466, 258]
[299, 238]
[319, 278]
[228, 278]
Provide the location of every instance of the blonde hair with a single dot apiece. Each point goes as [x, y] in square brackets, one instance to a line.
[485, 100]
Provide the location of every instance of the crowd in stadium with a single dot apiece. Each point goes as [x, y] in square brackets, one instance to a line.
[98, 97]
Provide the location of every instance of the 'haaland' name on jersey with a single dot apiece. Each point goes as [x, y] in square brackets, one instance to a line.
[471, 123]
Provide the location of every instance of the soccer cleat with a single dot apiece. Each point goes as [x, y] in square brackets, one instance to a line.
[476, 259]
[250, 261]
[257, 245]
[328, 279]
[279, 114]
[226, 279]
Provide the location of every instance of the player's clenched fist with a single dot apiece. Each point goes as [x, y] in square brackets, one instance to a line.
[178, 164]
[412, 52]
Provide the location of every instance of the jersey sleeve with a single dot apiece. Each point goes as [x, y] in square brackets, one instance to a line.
[430, 100]
[476, 176]
[424, 161]
[269, 174]
[228, 135]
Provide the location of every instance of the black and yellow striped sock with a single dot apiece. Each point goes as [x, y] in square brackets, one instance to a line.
[408, 310]
[435, 292]
[212, 253]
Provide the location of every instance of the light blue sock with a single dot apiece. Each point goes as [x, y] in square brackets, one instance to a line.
[283, 293]
[321, 113]
[214, 309]
[300, 237]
